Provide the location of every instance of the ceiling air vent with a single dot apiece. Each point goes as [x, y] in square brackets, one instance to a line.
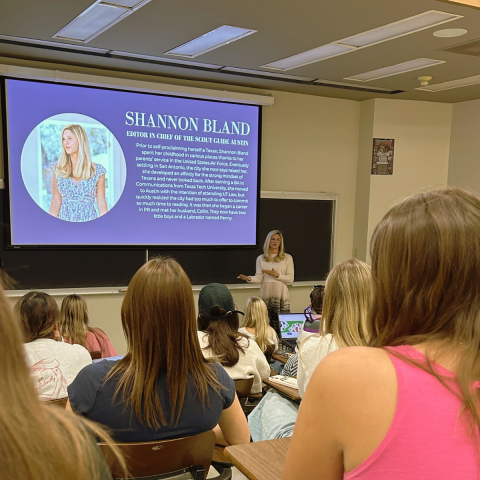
[468, 48]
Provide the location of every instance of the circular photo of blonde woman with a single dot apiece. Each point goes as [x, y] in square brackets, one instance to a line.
[73, 167]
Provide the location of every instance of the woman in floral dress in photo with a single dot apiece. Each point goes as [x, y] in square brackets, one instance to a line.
[77, 181]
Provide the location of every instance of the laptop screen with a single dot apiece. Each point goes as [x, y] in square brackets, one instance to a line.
[291, 324]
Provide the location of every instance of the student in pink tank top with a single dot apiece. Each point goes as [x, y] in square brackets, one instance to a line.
[74, 328]
[407, 406]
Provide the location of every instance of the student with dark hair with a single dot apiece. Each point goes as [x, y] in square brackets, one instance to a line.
[40, 442]
[406, 406]
[163, 388]
[53, 364]
[219, 337]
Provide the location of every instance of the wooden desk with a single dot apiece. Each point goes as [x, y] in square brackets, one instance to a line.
[290, 393]
[280, 358]
[260, 460]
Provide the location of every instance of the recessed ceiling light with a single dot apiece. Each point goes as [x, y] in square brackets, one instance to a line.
[468, 3]
[97, 18]
[395, 69]
[403, 27]
[171, 61]
[450, 32]
[461, 82]
[365, 39]
[209, 41]
[310, 56]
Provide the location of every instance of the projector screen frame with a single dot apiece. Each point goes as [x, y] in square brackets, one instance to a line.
[6, 156]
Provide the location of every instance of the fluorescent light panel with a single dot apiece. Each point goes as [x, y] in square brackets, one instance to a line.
[366, 39]
[395, 69]
[173, 61]
[468, 3]
[210, 41]
[280, 76]
[310, 56]
[97, 18]
[399, 29]
[461, 82]
[34, 41]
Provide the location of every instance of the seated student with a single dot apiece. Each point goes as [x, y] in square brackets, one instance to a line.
[74, 327]
[257, 325]
[38, 441]
[348, 295]
[163, 387]
[313, 319]
[407, 406]
[53, 364]
[313, 315]
[219, 337]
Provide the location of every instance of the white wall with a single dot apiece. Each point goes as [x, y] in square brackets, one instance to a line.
[464, 167]
[422, 144]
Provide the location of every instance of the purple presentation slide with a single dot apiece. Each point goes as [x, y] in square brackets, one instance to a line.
[90, 166]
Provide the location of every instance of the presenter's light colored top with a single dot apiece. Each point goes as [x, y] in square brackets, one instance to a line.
[284, 268]
[54, 366]
[78, 197]
[312, 352]
[252, 362]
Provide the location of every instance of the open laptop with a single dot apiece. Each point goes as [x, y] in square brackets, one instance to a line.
[290, 327]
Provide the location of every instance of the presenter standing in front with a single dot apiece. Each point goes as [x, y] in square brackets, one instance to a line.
[274, 271]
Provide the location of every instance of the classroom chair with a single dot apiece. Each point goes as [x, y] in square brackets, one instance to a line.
[96, 355]
[181, 458]
[248, 400]
[269, 351]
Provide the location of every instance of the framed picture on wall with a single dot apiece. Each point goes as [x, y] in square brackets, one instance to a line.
[382, 157]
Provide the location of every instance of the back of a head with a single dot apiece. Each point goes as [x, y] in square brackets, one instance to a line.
[38, 314]
[256, 316]
[426, 270]
[73, 319]
[347, 299]
[219, 318]
[316, 299]
[158, 318]
[426, 274]
[37, 442]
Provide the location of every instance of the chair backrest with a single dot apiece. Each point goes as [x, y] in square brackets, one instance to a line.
[96, 355]
[162, 456]
[244, 386]
[60, 402]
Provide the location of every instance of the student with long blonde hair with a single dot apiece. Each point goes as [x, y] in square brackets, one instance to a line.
[408, 405]
[348, 295]
[257, 325]
[274, 271]
[74, 327]
[163, 388]
[77, 182]
[37, 441]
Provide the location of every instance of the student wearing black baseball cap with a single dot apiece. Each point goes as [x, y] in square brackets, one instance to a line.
[218, 335]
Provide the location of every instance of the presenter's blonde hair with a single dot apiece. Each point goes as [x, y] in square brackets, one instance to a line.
[347, 299]
[281, 249]
[256, 317]
[38, 441]
[84, 169]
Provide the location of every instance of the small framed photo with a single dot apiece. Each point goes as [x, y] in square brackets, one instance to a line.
[382, 157]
